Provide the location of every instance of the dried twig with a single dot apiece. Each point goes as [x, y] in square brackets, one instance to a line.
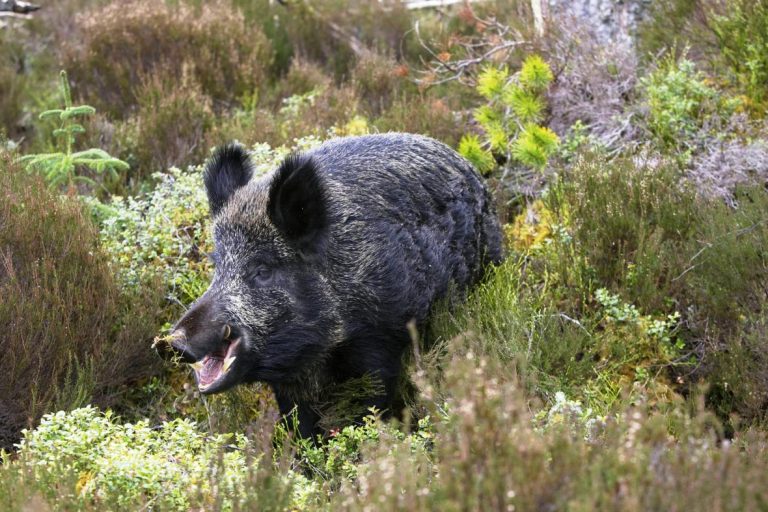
[496, 39]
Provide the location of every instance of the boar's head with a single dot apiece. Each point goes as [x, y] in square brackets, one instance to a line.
[269, 313]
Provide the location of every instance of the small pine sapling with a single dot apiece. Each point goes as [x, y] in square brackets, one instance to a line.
[510, 118]
[60, 168]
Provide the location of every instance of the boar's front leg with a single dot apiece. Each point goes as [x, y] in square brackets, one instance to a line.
[306, 415]
[374, 355]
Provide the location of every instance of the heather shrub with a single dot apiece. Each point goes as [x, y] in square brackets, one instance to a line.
[425, 113]
[12, 84]
[71, 334]
[600, 352]
[273, 18]
[315, 112]
[377, 80]
[595, 87]
[638, 231]
[171, 127]
[302, 77]
[491, 453]
[337, 32]
[624, 212]
[119, 45]
[723, 166]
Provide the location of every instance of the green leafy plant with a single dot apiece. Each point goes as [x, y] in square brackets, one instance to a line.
[60, 168]
[121, 466]
[510, 118]
[680, 100]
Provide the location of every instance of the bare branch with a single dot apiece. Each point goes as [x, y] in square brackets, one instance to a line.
[496, 39]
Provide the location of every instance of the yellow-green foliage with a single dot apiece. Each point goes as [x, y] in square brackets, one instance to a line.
[472, 149]
[509, 120]
[531, 229]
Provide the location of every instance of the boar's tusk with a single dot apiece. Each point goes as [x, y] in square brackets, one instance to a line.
[197, 366]
[228, 362]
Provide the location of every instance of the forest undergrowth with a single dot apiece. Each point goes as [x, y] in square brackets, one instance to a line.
[616, 360]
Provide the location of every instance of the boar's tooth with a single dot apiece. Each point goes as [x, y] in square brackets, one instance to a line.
[228, 362]
[197, 366]
[227, 331]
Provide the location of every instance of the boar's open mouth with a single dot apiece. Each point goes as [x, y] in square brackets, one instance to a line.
[212, 369]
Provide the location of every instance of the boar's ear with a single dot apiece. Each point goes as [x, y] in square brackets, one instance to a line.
[297, 203]
[228, 170]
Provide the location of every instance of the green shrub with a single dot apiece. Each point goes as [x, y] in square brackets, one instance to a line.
[129, 466]
[642, 234]
[302, 77]
[71, 334]
[628, 223]
[597, 354]
[728, 37]
[680, 102]
[273, 18]
[118, 45]
[161, 234]
[674, 25]
[377, 80]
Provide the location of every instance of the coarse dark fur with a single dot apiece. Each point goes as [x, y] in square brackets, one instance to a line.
[321, 264]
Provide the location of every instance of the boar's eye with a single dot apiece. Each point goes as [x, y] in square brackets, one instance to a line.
[260, 274]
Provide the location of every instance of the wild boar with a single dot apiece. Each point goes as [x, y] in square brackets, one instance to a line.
[321, 265]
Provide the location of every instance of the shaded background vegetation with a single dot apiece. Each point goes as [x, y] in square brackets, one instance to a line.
[616, 360]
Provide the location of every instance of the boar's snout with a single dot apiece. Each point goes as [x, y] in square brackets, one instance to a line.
[199, 331]
[207, 342]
